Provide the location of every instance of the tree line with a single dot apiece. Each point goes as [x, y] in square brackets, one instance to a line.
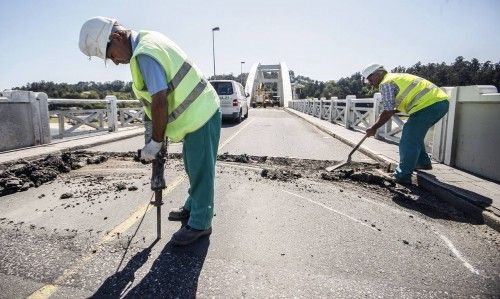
[460, 72]
[82, 90]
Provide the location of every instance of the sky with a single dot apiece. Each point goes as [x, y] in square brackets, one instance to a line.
[324, 40]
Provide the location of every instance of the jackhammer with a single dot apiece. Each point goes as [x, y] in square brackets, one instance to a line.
[157, 176]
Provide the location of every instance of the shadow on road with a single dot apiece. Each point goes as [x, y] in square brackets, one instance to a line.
[117, 283]
[433, 207]
[174, 273]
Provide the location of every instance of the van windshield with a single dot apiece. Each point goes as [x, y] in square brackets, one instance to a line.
[223, 88]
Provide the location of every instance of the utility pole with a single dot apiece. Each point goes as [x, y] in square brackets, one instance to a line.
[213, 44]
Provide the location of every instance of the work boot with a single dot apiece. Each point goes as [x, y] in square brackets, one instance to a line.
[424, 167]
[402, 181]
[179, 214]
[187, 235]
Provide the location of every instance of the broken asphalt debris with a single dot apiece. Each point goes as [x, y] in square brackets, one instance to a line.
[280, 174]
[66, 195]
[120, 186]
[23, 174]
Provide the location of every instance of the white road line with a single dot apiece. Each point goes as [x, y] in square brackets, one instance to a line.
[330, 209]
[457, 254]
[447, 242]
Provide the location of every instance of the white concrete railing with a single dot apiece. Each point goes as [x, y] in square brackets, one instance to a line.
[84, 121]
[467, 137]
[23, 119]
[352, 113]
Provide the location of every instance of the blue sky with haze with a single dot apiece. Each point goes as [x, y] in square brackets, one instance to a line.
[324, 40]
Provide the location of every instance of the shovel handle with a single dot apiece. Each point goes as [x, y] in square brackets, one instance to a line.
[356, 147]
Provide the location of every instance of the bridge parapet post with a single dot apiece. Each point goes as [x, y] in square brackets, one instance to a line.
[321, 107]
[348, 113]
[331, 108]
[113, 113]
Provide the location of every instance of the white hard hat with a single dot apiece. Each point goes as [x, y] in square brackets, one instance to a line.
[94, 36]
[370, 69]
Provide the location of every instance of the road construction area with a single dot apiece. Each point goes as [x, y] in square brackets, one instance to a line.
[81, 225]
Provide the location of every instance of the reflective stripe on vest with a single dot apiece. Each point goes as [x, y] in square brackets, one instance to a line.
[181, 73]
[417, 97]
[408, 89]
[193, 95]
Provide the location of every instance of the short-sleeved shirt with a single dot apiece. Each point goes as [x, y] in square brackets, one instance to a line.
[152, 72]
[389, 92]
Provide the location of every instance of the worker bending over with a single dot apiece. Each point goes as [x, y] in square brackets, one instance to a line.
[424, 102]
[179, 101]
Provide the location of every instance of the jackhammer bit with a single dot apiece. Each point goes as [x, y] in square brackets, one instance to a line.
[157, 176]
[158, 184]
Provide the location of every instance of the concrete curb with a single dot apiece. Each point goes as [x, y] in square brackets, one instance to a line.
[458, 201]
[60, 148]
[445, 194]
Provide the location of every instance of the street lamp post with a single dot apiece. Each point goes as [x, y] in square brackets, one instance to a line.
[213, 44]
[241, 71]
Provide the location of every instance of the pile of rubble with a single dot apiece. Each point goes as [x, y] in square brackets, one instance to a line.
[22, 175]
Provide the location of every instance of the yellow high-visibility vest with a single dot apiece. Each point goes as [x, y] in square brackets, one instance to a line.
[415, 93]
[191, 101]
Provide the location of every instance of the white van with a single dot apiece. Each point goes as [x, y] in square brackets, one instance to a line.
[233, 100]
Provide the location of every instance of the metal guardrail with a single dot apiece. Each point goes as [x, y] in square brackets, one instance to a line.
[352, 113]
[80, 121]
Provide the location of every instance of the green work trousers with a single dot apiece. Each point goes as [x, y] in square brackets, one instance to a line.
[411, 147]
[200, 154]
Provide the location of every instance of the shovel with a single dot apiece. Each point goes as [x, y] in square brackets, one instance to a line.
[333, 167]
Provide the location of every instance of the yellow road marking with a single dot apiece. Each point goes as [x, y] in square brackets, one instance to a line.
[234, 135]
[47, 290]
[44, 292]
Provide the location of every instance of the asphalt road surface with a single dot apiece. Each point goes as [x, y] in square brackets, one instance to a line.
[295, 235]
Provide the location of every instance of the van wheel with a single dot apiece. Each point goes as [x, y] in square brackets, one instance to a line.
[239, 118]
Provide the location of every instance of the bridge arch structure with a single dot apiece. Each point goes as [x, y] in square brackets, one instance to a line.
[270, 73]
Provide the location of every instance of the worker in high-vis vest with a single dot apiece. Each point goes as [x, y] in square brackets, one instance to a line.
[424, 102]
[179, 102]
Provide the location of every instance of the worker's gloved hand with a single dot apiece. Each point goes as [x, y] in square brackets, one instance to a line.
[371, 132]
[150, 150]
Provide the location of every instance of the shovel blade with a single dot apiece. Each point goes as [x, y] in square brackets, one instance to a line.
[334, 167]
